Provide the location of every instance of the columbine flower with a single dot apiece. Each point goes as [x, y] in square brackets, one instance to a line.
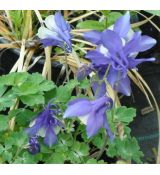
[45, 125]
[34, 146]
[122, 27]
[92, 113]
[56, 32]
[118, 48]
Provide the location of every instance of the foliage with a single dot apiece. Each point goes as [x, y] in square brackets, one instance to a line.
[23, 96]
[32, 90]
[154, 12]
[91, 24]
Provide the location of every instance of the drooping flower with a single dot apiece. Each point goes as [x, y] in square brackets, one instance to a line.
[56, 32]
[45, 125]
[92, 113]
[34, 146]
[118, 48]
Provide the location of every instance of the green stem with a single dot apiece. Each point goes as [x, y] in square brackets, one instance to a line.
[17, 153]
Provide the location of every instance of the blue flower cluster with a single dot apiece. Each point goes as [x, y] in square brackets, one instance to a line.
[115, 54]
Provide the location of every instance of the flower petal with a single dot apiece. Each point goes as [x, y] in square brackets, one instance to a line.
[60, 21]
[84, 119]
[51, 23]
[83, 71]
[113, 77]
[99, 90]
[146, 43]
[134, 62]
[93, 36]
[50, 137]
[63, 28]
[108, 129]
[111, 41]
[43, 33]
[97, 58]
[34, 146]
[78, 107]
[33, 130]
[123, 86]
[100, 103]
[95, 122]
[50, 42]
[139, 43]
[133, 45]
[122, 25]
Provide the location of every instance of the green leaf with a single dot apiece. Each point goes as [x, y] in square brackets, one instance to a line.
[91, 161]
[72, 84]
[124, 114]
[3, 122]
[20, 77]
[154, 12]
[50, 94]
[94, 161]
[18, 139]
[1, 149]
[7, 156]
[64, 92]
[105, 12]
[27, 158]
[2, 89]
[77, 152]
[84, 83]
[73, 157]
[56, 158]
[22, 116]
[65, 140]
[15, 78]
[127, 149]
[98, 141]
[7, 100]
[82, 149]
[33, 99]
[36, 78]
[112, 17]
[90, 24]
[26, 88]
[46, 86]
[7, 79]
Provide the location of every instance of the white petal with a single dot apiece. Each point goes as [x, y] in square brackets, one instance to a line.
[111, 27]
[50, 23]
[42, 132]
[133, 55]
[43, 33]
[129, 35]
[57, 130]
[92, 74]
[32, 123]
[103, 50]
[84, 119]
